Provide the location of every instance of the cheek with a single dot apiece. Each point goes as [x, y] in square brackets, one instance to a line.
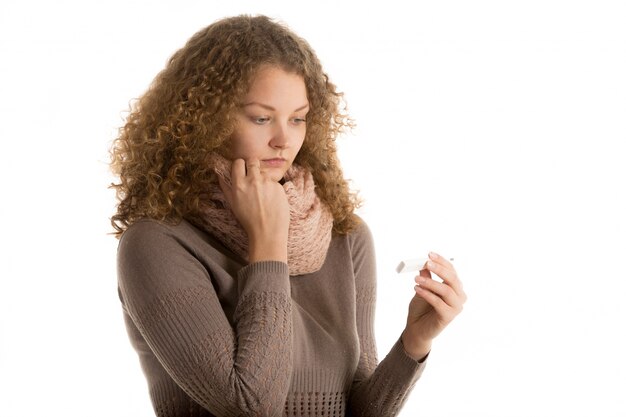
[300, 141]
[240, 139]
[243, 144]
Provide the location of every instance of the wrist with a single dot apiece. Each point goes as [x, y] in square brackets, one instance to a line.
[416, 349]
[267, 251]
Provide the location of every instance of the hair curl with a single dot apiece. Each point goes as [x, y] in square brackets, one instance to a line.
[189, 112]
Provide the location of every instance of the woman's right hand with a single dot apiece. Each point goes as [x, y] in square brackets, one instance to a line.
[260, 205]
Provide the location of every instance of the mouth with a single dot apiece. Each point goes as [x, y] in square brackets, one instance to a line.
[274, 162]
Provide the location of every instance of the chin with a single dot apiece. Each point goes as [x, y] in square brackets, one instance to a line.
[277, 177]
[275, 174]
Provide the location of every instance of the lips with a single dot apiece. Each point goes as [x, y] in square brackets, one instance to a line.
[274, 162]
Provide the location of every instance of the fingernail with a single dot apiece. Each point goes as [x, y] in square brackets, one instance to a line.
[432, 255]
[419, 279]
[431, 265]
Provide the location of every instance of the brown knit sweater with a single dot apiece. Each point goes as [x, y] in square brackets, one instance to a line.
[217, 337]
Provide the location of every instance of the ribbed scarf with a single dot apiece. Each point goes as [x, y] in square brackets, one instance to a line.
[310, 220]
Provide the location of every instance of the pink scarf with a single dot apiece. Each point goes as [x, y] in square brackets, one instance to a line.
[310, 221]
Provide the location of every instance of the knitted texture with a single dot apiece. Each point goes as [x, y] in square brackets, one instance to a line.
[216, 338]
[310, 220]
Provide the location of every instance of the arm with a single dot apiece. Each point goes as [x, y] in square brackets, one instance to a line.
[377, 389]
[243, 370]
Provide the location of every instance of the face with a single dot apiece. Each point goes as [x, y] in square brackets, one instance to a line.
[271, 121]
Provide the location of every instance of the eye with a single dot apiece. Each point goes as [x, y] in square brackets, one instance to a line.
[299, 120]
[260, 120]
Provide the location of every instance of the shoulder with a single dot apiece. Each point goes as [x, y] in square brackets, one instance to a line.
[153, 241]
[154, 258]
[144, 235]
[361, 246]
[152, 234]
[361, 235]
[145, 229]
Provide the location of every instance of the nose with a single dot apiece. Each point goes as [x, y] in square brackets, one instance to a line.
[279, 138]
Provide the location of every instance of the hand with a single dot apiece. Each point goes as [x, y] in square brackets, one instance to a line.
[260, 205]
[433, 307]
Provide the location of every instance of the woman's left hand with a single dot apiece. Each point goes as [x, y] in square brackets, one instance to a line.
[433, 307]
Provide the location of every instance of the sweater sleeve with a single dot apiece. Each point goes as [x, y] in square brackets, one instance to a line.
[229, 370]
[378, 389]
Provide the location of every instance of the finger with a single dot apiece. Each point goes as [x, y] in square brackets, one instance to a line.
[445, 270]
[448, 276]
[253, 167]
[237, 171]
[441, 259]
[425, 273]
[442, 309]
[443, 291]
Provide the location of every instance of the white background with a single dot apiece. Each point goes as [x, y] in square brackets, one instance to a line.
[490, 131]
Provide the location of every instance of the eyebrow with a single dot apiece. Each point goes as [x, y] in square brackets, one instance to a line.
[272, 108]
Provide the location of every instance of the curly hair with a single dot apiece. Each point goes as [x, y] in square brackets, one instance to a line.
[188, 112]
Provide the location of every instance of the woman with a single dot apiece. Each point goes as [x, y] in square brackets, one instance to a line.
[247, 281]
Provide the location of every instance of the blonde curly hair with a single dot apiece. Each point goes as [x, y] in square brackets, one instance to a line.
[188, 112]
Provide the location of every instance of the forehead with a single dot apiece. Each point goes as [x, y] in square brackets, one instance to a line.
[276, 83]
